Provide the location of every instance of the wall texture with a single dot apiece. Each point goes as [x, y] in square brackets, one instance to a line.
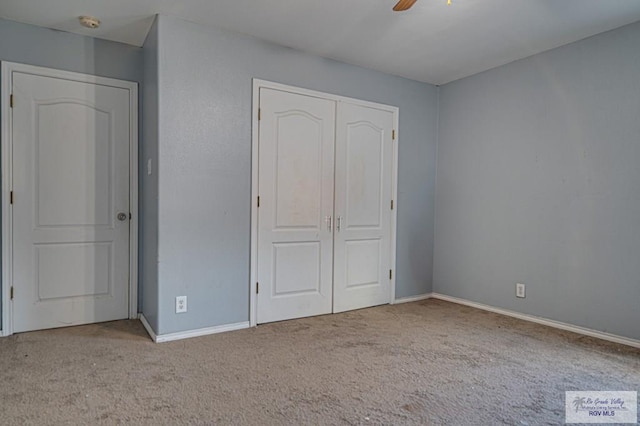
[205, 82]
[538, 182]
[33, 45]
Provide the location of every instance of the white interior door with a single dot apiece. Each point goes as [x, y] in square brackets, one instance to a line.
[70, 145]
[362, 247]
[296, 147]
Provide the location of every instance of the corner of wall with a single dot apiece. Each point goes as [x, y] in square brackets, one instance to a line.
[435, 194]
[149, 199]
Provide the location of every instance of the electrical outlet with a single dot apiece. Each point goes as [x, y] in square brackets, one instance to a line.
[520, 290]
[181, 304]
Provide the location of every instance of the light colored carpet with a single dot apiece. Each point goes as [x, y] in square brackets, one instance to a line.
[428, 362]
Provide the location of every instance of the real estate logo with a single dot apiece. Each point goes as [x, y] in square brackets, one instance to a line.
[601, 407]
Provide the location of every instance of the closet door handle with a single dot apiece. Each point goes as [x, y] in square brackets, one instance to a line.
[328, 220]
[338, 223]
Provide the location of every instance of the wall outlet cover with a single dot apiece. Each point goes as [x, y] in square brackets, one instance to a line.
[520, 290]
[181, 304]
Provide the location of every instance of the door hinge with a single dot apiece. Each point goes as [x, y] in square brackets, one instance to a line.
[257, 288]
[393, 134]
[130, 216]
[258, 201]
[391, 204]
[259, 114]
[11, 295]
[390, 274]
[11, 197]
[11, 100]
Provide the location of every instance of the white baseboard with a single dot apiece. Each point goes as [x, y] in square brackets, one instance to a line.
[544, 321]
[147, 327]
[413, 298]
[159, 338]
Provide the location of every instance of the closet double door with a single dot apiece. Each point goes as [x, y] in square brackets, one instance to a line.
[325, 176]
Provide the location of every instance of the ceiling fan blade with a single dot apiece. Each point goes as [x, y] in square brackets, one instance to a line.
[403, 5]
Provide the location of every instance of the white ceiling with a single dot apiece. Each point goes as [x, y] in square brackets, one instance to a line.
[432, 42]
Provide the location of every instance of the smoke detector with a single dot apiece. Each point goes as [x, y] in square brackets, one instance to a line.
[89, 22]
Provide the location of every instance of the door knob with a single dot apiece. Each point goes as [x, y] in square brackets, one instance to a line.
[122, 216]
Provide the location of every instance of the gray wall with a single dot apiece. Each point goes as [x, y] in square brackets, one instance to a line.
[32, 45]
[538, 182]
[537, 176]
[205, 85]
[149, 183]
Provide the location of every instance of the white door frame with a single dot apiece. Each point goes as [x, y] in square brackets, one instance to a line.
[257, 85]
[6, 143]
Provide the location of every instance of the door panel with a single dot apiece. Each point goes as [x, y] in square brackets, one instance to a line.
[360, 255]
[81, 135]
[296, 200]
[70, 179]
[55, 280]
[296, 269]
[363, 174]
[298, 170]
[362, 241]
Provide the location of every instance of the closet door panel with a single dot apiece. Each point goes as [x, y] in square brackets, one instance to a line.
[295, 241]
[362, 242]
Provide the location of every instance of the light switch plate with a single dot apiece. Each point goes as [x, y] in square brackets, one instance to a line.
[520, 290]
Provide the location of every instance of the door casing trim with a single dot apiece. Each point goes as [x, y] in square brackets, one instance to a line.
[257, 85]
[6, 70]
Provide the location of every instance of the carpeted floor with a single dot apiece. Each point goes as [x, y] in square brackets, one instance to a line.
[428, 362]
